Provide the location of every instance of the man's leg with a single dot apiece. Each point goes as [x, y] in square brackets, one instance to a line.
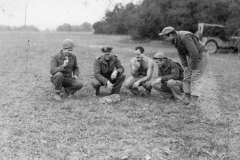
[129, 84]
[147, 85]
[72, 85]
[197, 76]
[118, 84]
[187, 87]
[176, 87]
[163, 89]
[57, 80]
[96, 85]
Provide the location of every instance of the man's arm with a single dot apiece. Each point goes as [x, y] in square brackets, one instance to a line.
[183, 59]
[54, 68]
[174, 73]
[119, 66]
[192, 49]
[149, 72]
[75, 67]
[134, 70]
[97, 72]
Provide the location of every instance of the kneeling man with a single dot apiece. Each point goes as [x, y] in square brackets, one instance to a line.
[171, 73]
[141, 70]
[108, 72]
[65, 71]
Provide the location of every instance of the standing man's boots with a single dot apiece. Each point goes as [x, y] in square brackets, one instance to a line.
[194, 101]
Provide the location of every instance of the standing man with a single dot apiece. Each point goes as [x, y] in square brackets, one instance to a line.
[194, 58]
[108, 72]
[171, 73]
[65, 71]
[141, 70]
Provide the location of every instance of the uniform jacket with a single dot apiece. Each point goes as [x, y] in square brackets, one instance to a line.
[103, 69]
[188, 45]
[172, 70]
[69, 70]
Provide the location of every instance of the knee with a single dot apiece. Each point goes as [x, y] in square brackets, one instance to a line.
[78, 85]
[58, 75]
[128, 84]
[154, 84]
[148, 85]
[96, 84]
[171, 83]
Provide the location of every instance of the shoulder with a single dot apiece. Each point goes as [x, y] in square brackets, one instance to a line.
[174, 63]
[57, 55]
[114, 57]
[150, 61]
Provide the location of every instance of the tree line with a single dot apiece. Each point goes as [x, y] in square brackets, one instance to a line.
[85, 27]
[146, 20]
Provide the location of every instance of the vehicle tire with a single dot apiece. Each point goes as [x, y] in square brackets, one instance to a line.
[212, 47]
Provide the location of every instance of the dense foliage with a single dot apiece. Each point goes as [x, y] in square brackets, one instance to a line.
[85, 27]
[147, 19]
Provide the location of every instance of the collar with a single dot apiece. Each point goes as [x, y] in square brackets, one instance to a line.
[103, 60]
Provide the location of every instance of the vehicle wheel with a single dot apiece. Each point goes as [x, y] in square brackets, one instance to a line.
[212, 47]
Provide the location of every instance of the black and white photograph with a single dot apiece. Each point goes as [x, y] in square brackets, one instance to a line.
[120, 79]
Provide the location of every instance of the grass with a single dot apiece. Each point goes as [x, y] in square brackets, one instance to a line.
[33, 126]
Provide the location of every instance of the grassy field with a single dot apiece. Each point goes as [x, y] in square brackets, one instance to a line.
[34, 126]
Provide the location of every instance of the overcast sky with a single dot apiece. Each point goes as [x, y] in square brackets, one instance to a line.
[52, 13]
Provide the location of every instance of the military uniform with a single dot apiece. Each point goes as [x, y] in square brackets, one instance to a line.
[102, 73]
[171, 80]
[194, 56]
[62, 76]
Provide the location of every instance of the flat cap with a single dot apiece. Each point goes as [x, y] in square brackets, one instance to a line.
[159, 55]
[106, 49]
[166, 30]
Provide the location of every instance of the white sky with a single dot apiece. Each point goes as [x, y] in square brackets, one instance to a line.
[52, 13]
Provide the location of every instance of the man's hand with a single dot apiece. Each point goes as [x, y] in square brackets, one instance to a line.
[136, 84]
[65, 63]
[75, 76]
[109, 85]
[114, 75]
[137, 65]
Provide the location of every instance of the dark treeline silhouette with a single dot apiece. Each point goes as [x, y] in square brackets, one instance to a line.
[85, 27]
[146, 20]
[21, 28]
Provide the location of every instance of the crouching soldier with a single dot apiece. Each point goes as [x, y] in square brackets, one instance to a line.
[171, 73]
[108, 71]
[65, 71]
[141, 73]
